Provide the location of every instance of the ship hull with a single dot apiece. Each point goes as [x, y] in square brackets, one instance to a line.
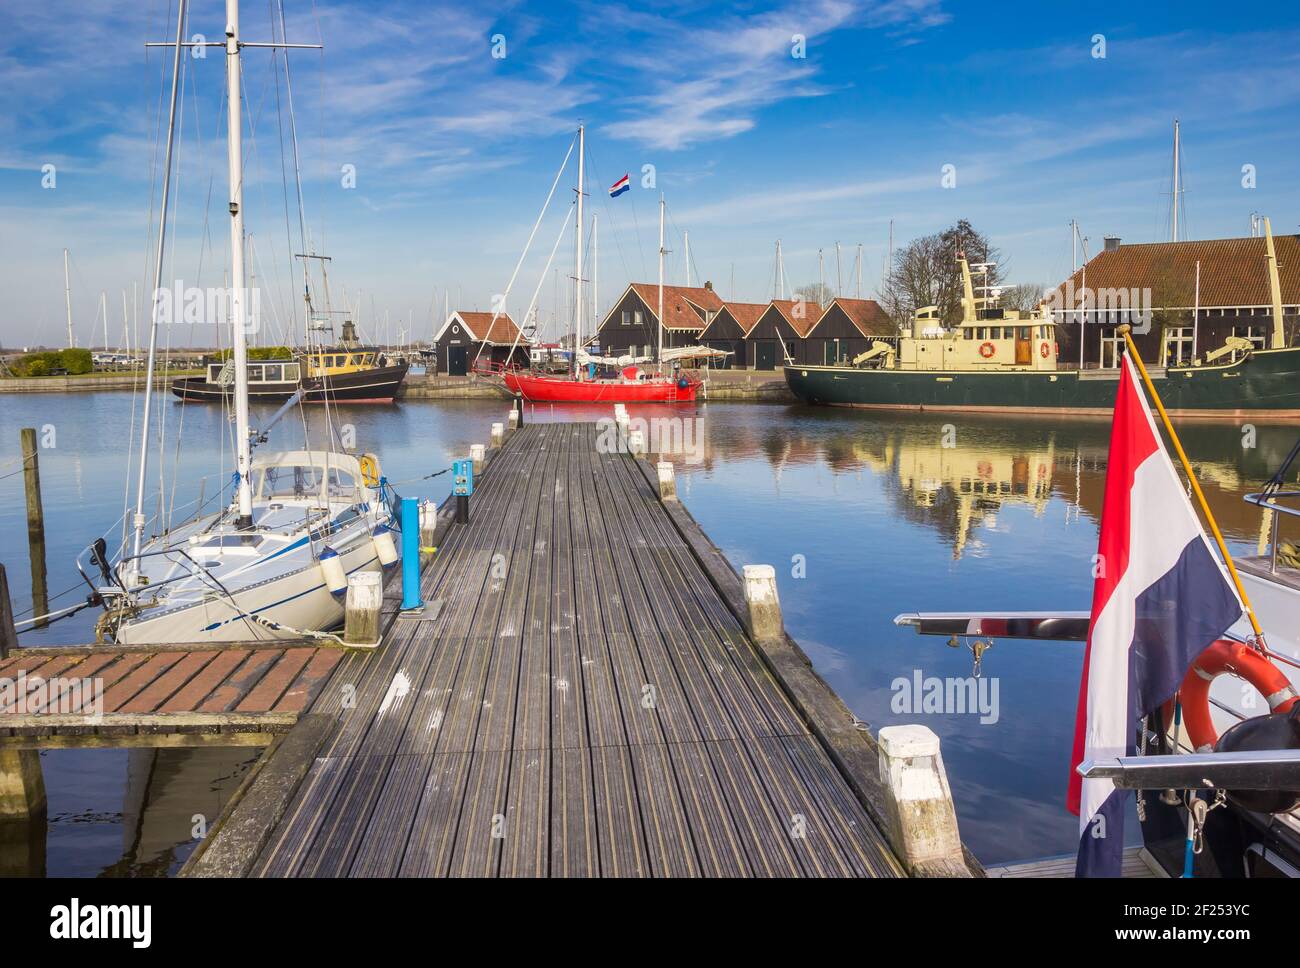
[1264, 384]
[376, 385]
[542, 389]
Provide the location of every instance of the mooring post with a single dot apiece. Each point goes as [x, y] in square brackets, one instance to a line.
[667, 481]
[636, 443]
[921, 820]
[35, 524]
[764, 605]
[8, 634]
[411, 554]
[361, 609]
[478, 454]
[519, 409]
[498, 434]
[512, 421]
[428, 529]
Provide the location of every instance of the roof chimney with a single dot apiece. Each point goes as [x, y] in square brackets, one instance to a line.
[708, 285]
[1112, 243]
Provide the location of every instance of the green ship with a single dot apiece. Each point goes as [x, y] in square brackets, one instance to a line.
[1005, 360]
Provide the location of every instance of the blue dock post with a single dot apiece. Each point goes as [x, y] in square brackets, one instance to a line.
[411, 555]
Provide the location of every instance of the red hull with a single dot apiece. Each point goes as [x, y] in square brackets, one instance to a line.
[551, 389]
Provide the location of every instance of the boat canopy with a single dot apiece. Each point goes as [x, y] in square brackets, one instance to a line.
[299, 474]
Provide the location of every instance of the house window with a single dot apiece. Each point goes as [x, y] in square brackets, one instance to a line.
[627, 317]
[1112, 349]
[1178, 344]
[637, 318]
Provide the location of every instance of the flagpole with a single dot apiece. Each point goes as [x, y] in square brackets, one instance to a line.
[1126, 330]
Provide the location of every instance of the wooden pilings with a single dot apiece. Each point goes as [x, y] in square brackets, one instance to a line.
[35, 525]
[764, 606]
[22, 788]
[667, 481]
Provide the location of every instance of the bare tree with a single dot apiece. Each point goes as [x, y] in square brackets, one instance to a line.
[925, 273]
[1025, 297]
[814, 293]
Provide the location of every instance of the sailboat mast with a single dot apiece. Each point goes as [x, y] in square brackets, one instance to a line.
[239, 311]
[686, 244]
[595, 272]
[577, 311]
[138, 520]
[67, 299]
[1176, 186]
[660, 315]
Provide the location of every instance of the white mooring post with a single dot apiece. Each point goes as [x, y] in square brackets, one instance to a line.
[478, 454]
[764, 605]
[636, 443]
[428, 528]
[498, 434]
[512, 421]
[361, 609]
[922, 823]
[667, 481]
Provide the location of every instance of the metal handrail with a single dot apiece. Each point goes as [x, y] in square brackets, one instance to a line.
[1264, 499]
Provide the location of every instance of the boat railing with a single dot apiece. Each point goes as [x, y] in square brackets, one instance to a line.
[1269, 501]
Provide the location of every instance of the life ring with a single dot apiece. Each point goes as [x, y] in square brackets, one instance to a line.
[369, 472]
[1234, 658]
[1043, 351]
[987, 350]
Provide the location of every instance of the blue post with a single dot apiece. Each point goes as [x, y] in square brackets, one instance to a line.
[411, 554]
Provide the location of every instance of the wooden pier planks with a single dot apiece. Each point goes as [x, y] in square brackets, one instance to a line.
[584, 704]
[98, 695]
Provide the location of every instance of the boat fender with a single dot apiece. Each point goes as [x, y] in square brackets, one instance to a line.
[369, 470]
[1238, 659]
[683, 383]
[385, 546]
[331, 568]
[987, 350]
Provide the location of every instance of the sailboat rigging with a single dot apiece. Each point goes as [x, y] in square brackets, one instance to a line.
[275, 561]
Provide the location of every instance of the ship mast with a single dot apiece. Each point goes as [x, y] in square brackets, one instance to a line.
[238, 310]
[1177, 187]
[67, 300]
[1274, 288]
[659, 355]
[577, 315]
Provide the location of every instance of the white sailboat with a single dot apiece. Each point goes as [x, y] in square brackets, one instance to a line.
[274, 563]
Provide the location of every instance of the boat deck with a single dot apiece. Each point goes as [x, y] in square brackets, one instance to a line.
[1137, 863]
[578, 699]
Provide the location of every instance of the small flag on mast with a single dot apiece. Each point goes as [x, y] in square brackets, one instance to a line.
[620, 186]
[1160, 596]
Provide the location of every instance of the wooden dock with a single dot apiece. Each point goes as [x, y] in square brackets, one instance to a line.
[105, 695]
[579, 698]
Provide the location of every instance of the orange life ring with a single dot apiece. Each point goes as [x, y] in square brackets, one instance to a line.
[987, 350]
[1234, 658]
[1042, 350]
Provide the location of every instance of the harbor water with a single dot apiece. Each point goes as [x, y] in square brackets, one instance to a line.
[864, 515]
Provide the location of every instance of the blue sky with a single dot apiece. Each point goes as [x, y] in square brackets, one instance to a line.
[454, 150]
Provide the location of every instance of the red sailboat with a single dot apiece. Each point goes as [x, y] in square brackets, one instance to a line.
[581, 384]
[631, 387]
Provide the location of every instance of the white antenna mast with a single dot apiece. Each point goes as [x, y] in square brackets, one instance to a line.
[577, 312]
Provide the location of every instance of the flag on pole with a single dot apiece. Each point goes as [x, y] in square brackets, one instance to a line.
[619, 187]
[1160, 596]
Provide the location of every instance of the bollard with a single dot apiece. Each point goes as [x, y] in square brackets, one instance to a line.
[512, 421]
[410, 554]
[498, 434]
[636, 443]
[361, 607]
[764, 605]
[478, 454]
[667, 481]
[921, 821]
[519, 409]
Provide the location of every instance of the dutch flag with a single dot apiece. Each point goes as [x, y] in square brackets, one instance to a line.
[1160, 596]
[619, 187]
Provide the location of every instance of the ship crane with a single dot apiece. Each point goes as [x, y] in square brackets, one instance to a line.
[879, 349]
